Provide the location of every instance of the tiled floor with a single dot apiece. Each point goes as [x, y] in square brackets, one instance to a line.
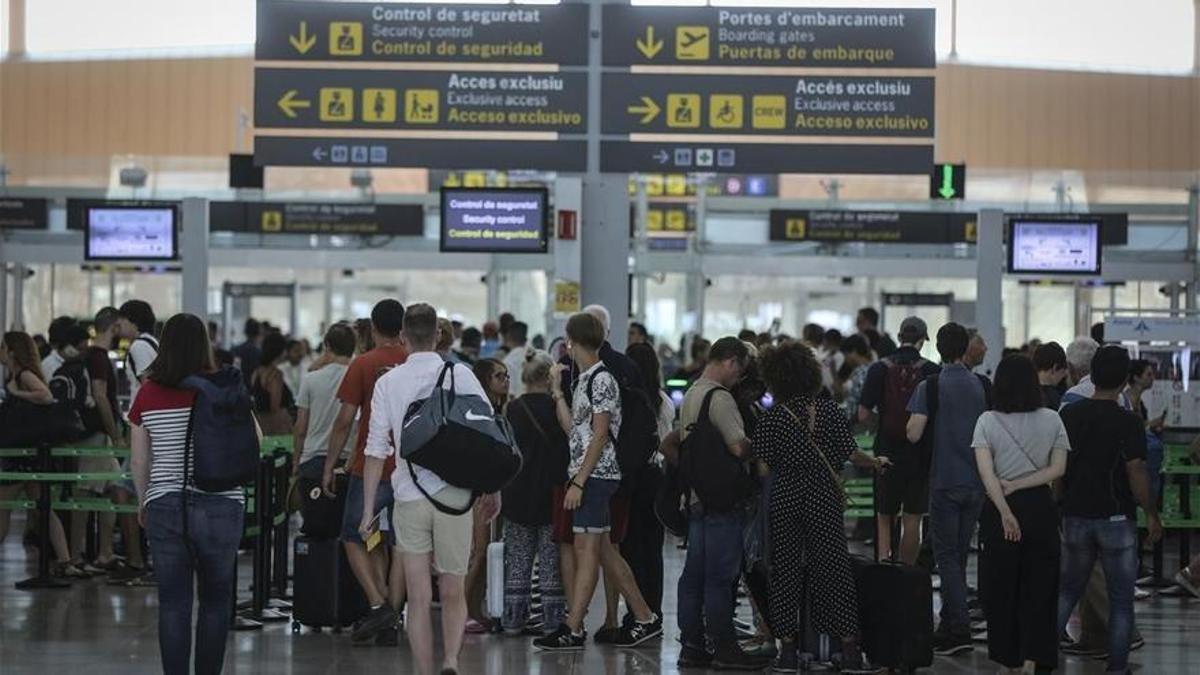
[92, 629]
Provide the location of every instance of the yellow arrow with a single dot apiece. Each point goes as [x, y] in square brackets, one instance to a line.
[649, 47]
[289, 103]
[648, 110]
[304, 41]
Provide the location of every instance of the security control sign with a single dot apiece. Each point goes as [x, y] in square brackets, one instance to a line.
[381, 99]
[24, 213]
[799, 37]
[891, 227]
[404, 220]
[336, 31]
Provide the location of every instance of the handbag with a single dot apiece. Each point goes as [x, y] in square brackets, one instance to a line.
[812, 427]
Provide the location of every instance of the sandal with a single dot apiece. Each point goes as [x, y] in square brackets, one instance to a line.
[69, 571]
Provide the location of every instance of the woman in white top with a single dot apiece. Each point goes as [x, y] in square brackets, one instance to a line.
[1020, 448]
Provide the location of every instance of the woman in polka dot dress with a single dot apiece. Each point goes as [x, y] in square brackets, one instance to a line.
[805, 439]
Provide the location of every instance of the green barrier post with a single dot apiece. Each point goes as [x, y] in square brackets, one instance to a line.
[43, 578]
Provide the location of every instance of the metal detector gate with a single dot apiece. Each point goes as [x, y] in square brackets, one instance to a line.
[235, 306]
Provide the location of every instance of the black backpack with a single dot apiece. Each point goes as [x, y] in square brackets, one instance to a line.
[931, 403]
[721, 481]
[223, 451]
[638, 438]
[71, 387]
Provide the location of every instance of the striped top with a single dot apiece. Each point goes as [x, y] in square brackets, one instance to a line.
[164, 412]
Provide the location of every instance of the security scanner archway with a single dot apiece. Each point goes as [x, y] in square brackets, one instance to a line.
[237, 302]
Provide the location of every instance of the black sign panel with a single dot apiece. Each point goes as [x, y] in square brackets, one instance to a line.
[891, 227]
[1114, 227]
[24, 213]
[777, 106]
[918, 299]
[421, 153]
[721, 157]
[77, 209]
[420, 100]
[404, 220]
[948, 181]
[337, 31]
[799, 37]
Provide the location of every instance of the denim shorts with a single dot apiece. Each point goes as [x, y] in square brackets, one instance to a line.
[594, 515]
[384, 497]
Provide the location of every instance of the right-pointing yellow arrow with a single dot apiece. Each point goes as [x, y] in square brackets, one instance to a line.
[648, 110]
[289, 104]
[649, 47]
[304, 41]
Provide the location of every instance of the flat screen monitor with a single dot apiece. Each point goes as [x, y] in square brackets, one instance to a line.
[243, 173]
[131, 233]
[1054, 246]
[494, 220]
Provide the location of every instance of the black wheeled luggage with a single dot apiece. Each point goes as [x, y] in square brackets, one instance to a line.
[325, 593]
[895, 606]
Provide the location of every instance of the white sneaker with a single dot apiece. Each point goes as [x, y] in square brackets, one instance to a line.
[1184, 579]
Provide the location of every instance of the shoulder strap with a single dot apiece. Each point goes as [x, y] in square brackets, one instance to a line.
[987, 390]
[812, 438]
[708, 397]
[537, 425]
[448, 510]
[592, 379]
[931, 396]
[1020, 446]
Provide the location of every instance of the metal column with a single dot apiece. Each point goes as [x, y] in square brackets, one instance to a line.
[193, 251]
[989, 284]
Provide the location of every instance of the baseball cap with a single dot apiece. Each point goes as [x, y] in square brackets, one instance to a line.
[913, 329]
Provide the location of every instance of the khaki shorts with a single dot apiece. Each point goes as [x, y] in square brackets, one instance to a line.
[421, 528]
[96, 465]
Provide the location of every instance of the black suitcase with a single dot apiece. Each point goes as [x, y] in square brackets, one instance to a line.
[322, 515]
[325, 592]
[895, 606]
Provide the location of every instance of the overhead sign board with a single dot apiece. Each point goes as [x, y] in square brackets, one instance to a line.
[24, 213]
[774, 106]
[799, 37]
[339, 151]
[1152, 329]
[891, 227]
[723, 155]
[353, 32]
[404, 220]
[423, 100]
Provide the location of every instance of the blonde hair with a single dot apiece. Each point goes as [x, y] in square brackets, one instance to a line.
[537, 367]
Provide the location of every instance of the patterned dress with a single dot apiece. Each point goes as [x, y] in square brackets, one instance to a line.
[806, 517]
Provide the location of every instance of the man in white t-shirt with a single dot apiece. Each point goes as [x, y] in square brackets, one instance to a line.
[515, 339]
[317, 404]
[136, 323]
[57, 337]
[426, 538]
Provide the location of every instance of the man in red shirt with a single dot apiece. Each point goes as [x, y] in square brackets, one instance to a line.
[384, 592]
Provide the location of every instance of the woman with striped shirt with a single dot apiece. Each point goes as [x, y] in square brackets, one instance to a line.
[206, 551]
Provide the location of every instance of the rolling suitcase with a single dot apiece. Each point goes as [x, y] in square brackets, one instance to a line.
[325, 593]
[895, 606]
[495, 580]
[322, 515]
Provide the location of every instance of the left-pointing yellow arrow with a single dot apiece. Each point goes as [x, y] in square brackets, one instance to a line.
[303, 42]
[289, 104]
[648, 110]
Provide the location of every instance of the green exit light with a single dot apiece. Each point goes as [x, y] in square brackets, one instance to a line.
[948, 181]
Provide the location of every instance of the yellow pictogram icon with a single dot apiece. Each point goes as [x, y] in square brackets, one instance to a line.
[421, 106]
[345, 38]
[691, 43]
[272, 221]
[677, 220]
[725, 111]
[337, 104]
[474, 179]
[971, 231]
[654, 220]
[379, 105]
[683, 111]
[796, 228]
[769, 112]
[649, 47]
[654, 185]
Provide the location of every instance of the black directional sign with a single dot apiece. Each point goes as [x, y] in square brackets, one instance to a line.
[337, 31]
[24, 213]
[800, 37]
[891, 227]
[337, 151]
[380, 99]
[406, 220]
[764, 105]
[720, 156]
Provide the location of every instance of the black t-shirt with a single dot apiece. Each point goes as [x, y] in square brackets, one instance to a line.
[100, 367]
[528, 499]
[1104, 436]
[873, 391]
[1051, 397]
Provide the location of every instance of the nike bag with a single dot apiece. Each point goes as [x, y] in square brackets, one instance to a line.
[457, 437]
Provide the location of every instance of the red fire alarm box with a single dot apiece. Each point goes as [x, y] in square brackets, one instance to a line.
[568, 225]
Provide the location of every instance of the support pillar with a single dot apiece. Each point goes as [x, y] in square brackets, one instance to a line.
[193, 250]
[989, 285]
[605, 235]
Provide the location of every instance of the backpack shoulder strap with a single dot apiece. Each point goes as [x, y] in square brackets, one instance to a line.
[444, 508]
[931, 395]
[987, 390]
[707, 403]
[592, 380]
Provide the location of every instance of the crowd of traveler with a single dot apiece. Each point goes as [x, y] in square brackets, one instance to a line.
[1047, 463]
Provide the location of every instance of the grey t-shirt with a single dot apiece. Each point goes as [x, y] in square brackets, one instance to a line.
[961, 400]
[318, 393]
[1021, 443]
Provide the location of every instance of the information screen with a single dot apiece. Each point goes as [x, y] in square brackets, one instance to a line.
[1046, 246]
[494, 220]
[131, 233]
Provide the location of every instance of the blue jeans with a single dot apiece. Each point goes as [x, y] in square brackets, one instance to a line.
[953, 515]
[352, 516]
[1115, 544]
[714, 560]
[200, 564]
